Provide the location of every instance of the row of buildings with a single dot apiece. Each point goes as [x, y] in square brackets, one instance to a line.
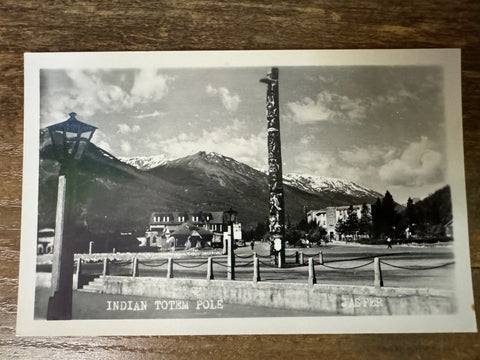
[172, 230]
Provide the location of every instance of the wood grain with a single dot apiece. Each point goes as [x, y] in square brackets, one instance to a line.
[64, 25]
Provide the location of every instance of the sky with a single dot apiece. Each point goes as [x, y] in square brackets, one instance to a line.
[382, 127]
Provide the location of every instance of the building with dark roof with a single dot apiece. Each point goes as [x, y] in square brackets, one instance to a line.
[166, 228]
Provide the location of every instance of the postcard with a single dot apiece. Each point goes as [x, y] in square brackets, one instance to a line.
[244, 192]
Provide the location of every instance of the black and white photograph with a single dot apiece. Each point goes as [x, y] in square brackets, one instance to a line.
[244, 192]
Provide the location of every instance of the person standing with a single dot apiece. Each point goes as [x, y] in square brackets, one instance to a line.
[389, 243]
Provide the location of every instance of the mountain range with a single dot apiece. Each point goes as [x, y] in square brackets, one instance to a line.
[119, 194]
[308, 183]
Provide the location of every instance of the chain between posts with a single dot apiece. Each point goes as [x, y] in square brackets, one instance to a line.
[191, 266]
[312, 255]
[243, 257]
[312, 262]
[120, 263]
[153, 264]
[219, 263]
[347, 268]
[417, 268]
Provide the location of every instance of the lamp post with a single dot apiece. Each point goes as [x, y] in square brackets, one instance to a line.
[69, 140]
[231, 217]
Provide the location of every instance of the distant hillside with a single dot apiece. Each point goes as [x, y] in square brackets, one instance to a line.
[435, 208]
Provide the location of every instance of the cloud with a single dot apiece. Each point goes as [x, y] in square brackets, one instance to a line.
[127, 129]
[229, 101]
[329, 165]
[314, 163]
[365, 156]
[307, 139]
[150, 84]
[414, 170]
[326, 107]
[101, 140]
[126, 147]
[417, 165]
[88, 93]
[153, 114]
[249, 149]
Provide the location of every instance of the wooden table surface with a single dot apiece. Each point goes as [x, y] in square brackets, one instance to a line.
[65, 25]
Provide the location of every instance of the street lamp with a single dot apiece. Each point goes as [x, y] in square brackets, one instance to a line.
[69, 140]
[230, 217]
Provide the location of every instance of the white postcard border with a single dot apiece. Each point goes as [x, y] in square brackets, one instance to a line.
[448, 59]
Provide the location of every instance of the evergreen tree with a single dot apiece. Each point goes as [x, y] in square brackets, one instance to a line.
[341, 227]
[411, 214]
[315, 235]
[352, 223]
[389, 213]
[378, 222]
[365, 224]
[260, 231]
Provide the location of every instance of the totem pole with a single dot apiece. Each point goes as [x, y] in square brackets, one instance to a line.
[275, 182]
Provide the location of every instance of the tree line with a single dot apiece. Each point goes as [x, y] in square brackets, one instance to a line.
[426, 220]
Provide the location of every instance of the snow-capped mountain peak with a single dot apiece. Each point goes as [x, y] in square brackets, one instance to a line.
[315, 184]
[309, 183]
[145, 162]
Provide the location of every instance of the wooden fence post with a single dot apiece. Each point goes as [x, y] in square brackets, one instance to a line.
[170, 268]
[106, 267]
[378, 281]
[78, 283]
[320, 258]
[210, 269]
[256, 268]
[301, 257]
[311, 272]
[135, 267]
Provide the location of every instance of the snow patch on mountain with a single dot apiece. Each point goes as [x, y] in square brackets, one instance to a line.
[315, 184]
[145, 162]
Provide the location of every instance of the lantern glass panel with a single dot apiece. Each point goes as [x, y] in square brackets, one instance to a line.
[71, 137]
[82, 142]
[230, 216]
